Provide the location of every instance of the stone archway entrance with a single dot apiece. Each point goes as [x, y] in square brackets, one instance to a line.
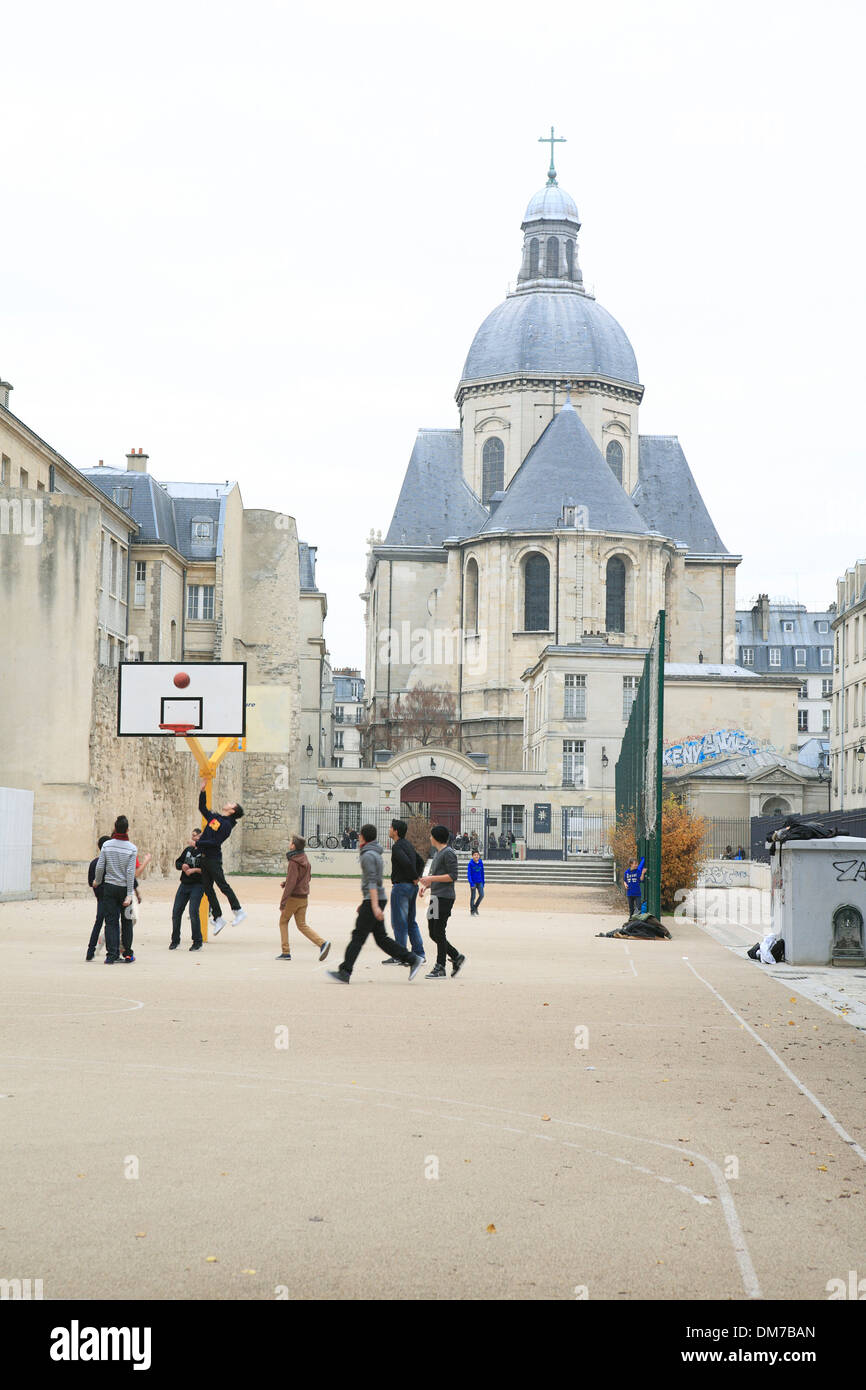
[434, 798]
[776, 806]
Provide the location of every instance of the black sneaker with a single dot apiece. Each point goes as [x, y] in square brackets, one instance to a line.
[456, 965]
[196, 946]
[174, 945]
[128, 959]
[392, 961]
[286, 955]
[437, 973]
[89, 955]
[342, 975]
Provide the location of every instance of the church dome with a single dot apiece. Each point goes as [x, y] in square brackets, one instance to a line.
[553, 204]
[555, 332]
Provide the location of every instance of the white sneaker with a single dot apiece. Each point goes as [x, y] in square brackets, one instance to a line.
[218, 925]
[238, 917]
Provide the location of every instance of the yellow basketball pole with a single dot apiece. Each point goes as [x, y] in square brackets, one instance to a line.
[207, 766]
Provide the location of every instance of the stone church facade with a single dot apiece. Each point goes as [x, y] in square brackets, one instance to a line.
[544, 526]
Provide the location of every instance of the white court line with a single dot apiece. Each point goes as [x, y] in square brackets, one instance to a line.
[76, 1013]
[630, 961]
[804, 1090]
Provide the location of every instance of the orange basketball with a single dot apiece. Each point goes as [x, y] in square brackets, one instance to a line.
[181, 680]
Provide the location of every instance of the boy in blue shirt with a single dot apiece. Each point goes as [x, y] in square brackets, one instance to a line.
[475, 875]
[633, 877]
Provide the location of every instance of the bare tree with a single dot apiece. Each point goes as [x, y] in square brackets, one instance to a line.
[423, 716]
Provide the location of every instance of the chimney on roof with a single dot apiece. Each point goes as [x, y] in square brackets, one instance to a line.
[761, 612]
[5, 388]
[136, 462]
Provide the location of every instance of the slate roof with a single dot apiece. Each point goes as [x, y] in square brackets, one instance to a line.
[550, 332]
[709, 668]
[553, 204]
[435, 501]
[565, 465]
[749, 765]
[667, 496]
[307, 567]
[165, 511]
[805, 623]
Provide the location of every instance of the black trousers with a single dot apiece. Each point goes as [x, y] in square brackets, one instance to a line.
[97, 926]
[212, 873]
[365, 923]
[118, 928]
[634, 905]
[436, 927]
[187, 893]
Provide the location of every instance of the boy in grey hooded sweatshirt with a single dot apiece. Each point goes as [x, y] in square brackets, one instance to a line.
[371, 913]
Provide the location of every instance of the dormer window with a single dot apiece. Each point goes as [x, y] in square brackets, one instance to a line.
[202, 531]
[122, 496]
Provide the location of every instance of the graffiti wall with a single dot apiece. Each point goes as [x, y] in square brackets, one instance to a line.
[720, 743]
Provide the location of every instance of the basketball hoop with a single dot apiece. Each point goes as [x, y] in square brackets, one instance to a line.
[179, 730]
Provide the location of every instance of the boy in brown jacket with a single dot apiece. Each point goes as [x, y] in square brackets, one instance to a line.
[293, 903]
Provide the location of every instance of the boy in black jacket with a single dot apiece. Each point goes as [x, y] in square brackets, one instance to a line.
[189, 891]
[100, 908]
[218, 827]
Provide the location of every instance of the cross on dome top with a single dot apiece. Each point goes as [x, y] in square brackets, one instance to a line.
[551, 140]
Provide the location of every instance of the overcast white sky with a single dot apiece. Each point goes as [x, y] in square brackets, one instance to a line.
[257, 240]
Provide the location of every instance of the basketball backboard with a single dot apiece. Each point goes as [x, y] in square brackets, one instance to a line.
[207, 696]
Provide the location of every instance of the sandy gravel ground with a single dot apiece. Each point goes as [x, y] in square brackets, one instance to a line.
[655, 1120]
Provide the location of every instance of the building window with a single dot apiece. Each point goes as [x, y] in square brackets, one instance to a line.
[826, 686]
[823, 626]
[536, 593]
[533, 258]
[569, 258]
[826, 656]
[338, 738]
[825, 721]
[512, 821]
[113, 569]
[804, 690]
[201, 532]
[614, 456]
[573, 762]
[140, 583]
[775, 656]
[336, 762]
[748, 656]
[470, 603]
[492, 469]
[359, 715]
[23, 478]
[615, 595]
[338, 714]
[799, 656]
[575, 697]
[349, 813]
[552, 262]
[199, 603]
[802, 721]
[629, 694]
[122, 496]
[787, 627]
[4, 470]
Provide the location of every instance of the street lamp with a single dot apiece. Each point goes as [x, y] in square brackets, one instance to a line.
[860, 753]
[309, 748]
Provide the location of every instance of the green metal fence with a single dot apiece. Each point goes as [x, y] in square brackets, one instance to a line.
[639, 767]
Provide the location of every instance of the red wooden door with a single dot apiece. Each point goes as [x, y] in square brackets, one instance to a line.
[435, 798]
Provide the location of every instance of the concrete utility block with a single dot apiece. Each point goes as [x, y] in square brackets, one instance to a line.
[819, 900]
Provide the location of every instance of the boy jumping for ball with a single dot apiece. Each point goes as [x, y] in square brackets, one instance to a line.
[218, 826]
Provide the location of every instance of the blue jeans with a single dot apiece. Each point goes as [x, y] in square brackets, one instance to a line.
[475, 902]
[403, 924]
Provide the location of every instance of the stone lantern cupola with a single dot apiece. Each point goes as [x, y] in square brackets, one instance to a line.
[550, 226]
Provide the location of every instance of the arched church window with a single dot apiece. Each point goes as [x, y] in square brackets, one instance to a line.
[569, 258]
[536, 593]
[553, 255]
[615, 601]
[470, 599]
[492, 469]
[614, 457]
[533, 257]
